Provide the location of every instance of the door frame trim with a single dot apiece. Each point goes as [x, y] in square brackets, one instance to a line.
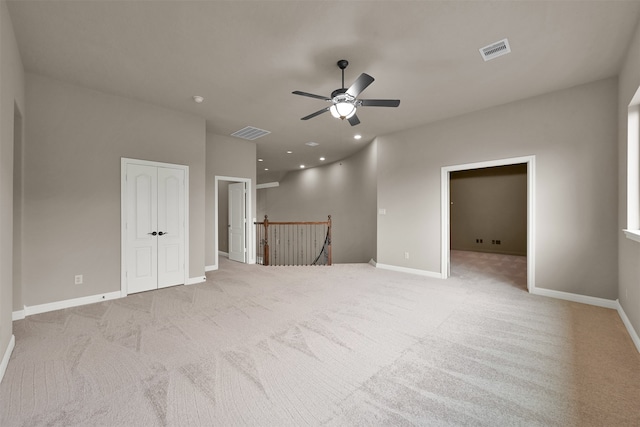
[445, 255]
[251, 254]
[124, 162]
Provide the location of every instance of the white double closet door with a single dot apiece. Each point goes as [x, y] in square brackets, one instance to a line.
[155, 227]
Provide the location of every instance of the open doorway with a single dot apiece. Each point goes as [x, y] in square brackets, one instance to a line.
[488, 224]
[484, 235]
[232, 222]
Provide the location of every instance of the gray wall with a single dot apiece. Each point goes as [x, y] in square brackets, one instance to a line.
[571, 132]
[489, 204]
[628, 250]
[346, 190]
[18, 198]
[75, 138]
[11, 97]
[229, 157]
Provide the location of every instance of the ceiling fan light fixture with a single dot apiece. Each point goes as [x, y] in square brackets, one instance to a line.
[343, 110]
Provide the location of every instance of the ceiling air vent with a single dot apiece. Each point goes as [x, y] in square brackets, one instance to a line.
[495, 49]
[250, 133]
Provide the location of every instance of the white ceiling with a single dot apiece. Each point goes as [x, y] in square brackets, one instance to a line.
[246, 57]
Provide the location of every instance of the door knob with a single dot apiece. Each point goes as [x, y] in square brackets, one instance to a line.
[153, 234]
[162, 233]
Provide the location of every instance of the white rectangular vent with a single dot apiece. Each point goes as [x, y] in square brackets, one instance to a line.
[495, 50]
[250, 133]
[311, 144]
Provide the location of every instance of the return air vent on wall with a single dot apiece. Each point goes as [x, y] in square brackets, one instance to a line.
[250, 133]
[495, 50]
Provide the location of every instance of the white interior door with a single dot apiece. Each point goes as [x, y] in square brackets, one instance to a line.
[142, 245]
[155, 227]
[171, 229]
[237, 222]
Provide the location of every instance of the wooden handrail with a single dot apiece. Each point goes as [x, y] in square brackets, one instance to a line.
[295, 223]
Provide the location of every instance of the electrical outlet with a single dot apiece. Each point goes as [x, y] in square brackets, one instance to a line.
[406, 255]
[497, 242]
[78, 279]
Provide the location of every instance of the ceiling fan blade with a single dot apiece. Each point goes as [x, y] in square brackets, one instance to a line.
[354, 120]
[360, 84]
[379, 102]
[310, 95]
[317, 113]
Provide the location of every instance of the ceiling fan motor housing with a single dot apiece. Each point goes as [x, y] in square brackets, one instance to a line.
[338, 92]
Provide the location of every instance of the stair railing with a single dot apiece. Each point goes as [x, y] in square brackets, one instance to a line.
[293, 243]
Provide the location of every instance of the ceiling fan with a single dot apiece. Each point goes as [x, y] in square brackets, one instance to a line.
[344, 102]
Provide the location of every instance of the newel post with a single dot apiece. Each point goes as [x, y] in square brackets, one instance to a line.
[265, 259]
[329, 233]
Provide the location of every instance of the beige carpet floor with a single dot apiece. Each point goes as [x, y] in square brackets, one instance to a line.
[342, 345]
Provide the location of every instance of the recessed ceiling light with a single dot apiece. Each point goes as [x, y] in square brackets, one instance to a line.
[266, 169]
[261, 160]
[322, 159]
[289, 152]
[358, 136]
[301, 166]
[198, 99]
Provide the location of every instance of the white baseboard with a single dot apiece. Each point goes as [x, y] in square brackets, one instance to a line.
[372, 262]
[598, 302]
[59, 305]
[7, 356]
[18, 315]
[223, 254]
[627, 323]
[196, 280]
[211, 268]
[75, 302]
[409, 270]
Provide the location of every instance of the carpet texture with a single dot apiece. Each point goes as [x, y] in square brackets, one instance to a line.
[343, 345]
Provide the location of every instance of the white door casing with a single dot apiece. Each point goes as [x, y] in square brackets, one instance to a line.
[154, 225]
[237, 222]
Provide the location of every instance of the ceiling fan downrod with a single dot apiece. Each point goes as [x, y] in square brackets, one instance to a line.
[342, 64]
